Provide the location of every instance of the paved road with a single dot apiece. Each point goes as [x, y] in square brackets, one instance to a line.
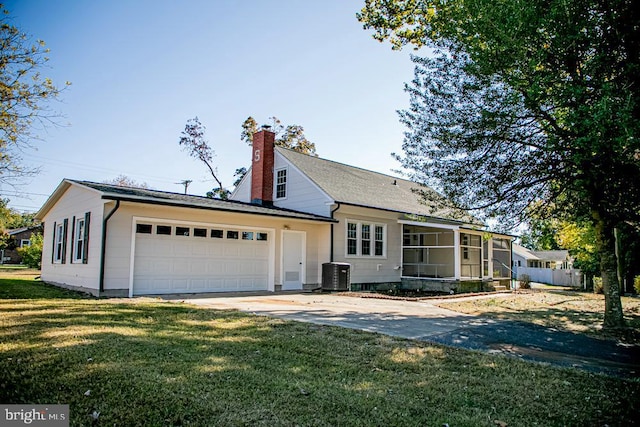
[423, 320]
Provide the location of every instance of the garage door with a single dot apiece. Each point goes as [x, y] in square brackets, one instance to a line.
[186, 259]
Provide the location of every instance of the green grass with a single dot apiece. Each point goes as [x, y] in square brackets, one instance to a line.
[145, 362]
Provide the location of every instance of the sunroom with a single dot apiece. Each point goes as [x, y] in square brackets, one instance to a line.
[450, 257]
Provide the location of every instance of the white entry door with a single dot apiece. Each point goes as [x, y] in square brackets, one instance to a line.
[293, 256]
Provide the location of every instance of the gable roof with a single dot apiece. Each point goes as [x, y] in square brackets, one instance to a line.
[360, 187]
[523, 252]
[155, 197]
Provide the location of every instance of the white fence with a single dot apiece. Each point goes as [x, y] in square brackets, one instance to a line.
[570, 277]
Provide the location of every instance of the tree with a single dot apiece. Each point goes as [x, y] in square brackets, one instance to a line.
[194, 142]
[526, 104]
[32, 254]
[125, 181]
[11, 218]
[24, 96]
[291, 136]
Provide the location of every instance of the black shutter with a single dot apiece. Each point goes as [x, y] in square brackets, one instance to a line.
[85, 246]
[53, 251]
[65, 226]
[73, 239]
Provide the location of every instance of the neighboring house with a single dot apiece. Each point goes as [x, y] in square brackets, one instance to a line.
[289, 215]
[552, 267]
[21, 237]
[558, 259]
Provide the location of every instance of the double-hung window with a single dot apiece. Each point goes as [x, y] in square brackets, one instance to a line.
[80, 239]
[366, 239]
[281, 183]
[59, 242]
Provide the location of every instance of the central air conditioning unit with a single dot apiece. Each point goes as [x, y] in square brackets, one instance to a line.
[336, 276]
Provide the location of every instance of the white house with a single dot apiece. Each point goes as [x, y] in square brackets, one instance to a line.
[290, 214]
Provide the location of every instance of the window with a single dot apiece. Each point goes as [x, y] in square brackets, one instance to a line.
[200, 232]
[352, 238]
[379, 242]
[163, 230]
[262, 237]
[217, 234]
[501, 257]
[365, 239]
[78, 240]
[25, 243]
[60, 241]
[232, 235]
[281, 183]
[143, 228]
[247, 235]
[182, 231]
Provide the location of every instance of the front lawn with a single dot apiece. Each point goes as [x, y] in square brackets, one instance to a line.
[567, 310]
[146, 362]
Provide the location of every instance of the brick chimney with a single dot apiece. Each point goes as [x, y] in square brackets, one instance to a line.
[262, 167]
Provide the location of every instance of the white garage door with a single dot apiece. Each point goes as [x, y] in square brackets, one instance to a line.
[186, 259]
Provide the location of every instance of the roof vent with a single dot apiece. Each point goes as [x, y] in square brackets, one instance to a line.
[266, 127]
[395, 182]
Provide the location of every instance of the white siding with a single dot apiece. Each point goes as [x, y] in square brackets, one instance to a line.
[118, 265]
[368, 269]
[242, 193]
[302, 194]
[76, 201]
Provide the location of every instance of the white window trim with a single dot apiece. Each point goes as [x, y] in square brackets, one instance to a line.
[373, 226]
[286, 183]
[25, 243]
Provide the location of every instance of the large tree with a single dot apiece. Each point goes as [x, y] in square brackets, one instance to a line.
[290, 136]
[526, 104]
[24, 96]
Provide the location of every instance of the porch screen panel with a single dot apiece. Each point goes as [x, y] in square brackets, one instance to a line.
[470, 255]
[501, 258]
[428, 252]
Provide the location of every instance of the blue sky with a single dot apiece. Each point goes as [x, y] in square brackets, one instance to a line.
[140, 69]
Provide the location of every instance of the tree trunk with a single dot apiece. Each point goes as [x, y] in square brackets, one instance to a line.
[609, 270]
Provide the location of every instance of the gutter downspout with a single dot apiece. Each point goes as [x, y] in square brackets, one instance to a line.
[103, 258]
[332, 224]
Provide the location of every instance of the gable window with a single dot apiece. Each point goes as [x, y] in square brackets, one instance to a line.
[25, 243]
[365, 239]
[281, 183]
[60, 241]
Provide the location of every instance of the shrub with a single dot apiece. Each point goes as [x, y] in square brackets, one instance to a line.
[636, 284]
[32, 255]
[597, 285]
[524, 281]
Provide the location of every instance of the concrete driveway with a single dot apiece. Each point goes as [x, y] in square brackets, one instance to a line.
[424, 321]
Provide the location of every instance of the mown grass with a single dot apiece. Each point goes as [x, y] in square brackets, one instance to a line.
[573, 311]
[145, 362]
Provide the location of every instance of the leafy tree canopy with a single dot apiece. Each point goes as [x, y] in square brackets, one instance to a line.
[291, 136]
[24, 96]
[125, 181]
[525, 108]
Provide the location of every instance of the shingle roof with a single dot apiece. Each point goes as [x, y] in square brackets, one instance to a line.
[361, 187]
[141, 195]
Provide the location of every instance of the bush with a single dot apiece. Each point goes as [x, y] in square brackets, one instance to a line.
[636, 284]
[597, 285]
[524, 281]
[32, 255]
